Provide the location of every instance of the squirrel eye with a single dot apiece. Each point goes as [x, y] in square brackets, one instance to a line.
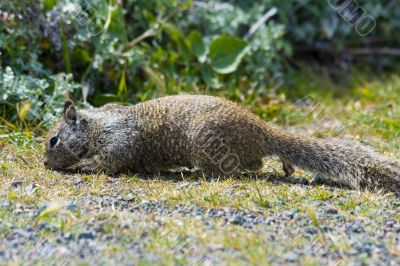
[53, 141]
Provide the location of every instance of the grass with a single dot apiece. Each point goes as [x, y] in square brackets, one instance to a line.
[369, 113]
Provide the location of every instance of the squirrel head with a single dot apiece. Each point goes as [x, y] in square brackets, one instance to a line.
[68, 141]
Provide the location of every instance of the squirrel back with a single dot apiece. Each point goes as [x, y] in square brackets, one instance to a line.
[207, 133]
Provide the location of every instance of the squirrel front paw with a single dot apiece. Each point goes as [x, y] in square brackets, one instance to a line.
[89, 165]
[94, 165]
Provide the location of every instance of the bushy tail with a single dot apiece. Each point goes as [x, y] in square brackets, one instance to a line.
[351, 163]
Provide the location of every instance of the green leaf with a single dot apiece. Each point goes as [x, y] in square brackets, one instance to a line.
[197, 45]
[261, 200]
[23, 109]
[122, 88]
[102, 99]
[9, 124]
[173, 32]
[186, 5]
[12, 196]
[210, 77]
[177, 37]
[226, 52]
[117, 28]
[53, 208]
[313, 215]
[49, 4]
[81, 56]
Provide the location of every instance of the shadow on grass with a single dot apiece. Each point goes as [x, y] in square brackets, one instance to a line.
[274, 179]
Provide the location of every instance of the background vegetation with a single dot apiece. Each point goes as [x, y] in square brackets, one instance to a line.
[297, 63]
[129, 50]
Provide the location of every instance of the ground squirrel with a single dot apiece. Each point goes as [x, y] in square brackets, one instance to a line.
[207, 133]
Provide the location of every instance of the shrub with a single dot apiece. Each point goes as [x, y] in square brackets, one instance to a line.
[132, 50]
[27, 100]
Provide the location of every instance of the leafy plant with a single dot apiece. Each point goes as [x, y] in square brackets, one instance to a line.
[132, 50]
[26, 99]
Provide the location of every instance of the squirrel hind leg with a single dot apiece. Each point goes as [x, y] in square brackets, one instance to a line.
[288, 168]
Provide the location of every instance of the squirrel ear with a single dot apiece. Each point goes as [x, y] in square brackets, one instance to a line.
[70, 113]
[67, 104]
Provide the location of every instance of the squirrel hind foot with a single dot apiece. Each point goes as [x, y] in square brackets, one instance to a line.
[288, 168]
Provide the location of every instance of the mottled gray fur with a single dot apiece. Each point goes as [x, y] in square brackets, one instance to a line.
[208, 133]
